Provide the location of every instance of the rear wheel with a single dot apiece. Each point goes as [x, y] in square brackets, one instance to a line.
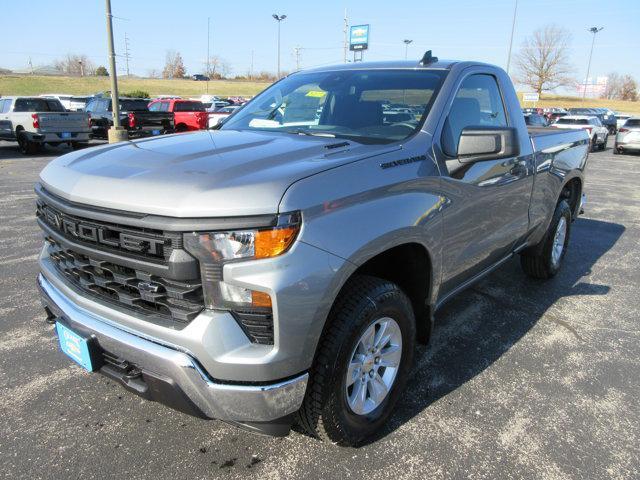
[603, 145]
[362, 362]
[27, 147]
[545, 259]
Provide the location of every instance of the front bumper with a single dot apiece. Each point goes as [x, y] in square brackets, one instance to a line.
[175, 377]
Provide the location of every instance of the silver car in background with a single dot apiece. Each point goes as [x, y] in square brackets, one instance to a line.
[628, 137]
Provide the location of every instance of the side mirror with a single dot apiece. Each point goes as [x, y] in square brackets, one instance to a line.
[487, 143]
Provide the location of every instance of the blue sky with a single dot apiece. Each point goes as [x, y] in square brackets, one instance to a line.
[461, 29]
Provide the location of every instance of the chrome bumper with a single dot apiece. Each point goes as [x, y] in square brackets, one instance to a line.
[223, 401]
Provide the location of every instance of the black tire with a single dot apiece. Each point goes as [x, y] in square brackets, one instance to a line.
[593, 143]
[537, 261]
[325, 412]
[603, 145]
[26, 146]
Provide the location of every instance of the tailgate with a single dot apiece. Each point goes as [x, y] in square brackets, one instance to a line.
[57, 122]
[153, 119]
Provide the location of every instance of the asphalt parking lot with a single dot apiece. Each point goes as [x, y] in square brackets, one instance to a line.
[522, 380]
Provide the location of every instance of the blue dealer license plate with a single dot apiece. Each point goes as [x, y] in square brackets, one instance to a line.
[155, 132]
[66, 135]
[75, 346]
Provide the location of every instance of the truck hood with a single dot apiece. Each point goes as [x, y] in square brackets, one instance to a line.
[204, 174]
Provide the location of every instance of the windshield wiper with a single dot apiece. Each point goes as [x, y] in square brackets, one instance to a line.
[300, 131]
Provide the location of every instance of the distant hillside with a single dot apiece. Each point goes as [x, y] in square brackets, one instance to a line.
[36, 85]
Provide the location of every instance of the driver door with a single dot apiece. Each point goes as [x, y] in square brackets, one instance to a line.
[487, 211]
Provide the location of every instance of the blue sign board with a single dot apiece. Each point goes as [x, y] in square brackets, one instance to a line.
[359, 37]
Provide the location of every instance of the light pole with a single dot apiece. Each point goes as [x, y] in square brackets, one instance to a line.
[115, 133]
[279, 19]
[513, 27]
[406, 47]
[593, 30]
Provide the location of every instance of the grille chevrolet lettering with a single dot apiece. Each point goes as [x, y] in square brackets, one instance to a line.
[101, 234]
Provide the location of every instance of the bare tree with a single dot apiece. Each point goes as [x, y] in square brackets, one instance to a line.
[543, 60]
[74, 64]
[174, 66]
[613, 89]
[153, 73]
[218, 67]
[629, 89]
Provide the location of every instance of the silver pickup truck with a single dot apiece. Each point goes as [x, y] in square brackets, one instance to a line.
[35, 121]
[282, 267]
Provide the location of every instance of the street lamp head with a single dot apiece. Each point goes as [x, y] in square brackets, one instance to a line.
[595, 30]
[279, 17]
[407, 41]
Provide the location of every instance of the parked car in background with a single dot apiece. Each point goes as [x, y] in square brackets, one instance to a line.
[606, 116]
[167, 97]
[199, 77]
[36, 121]
[217, 115]
[71, 103]
[188, 115]
[628, 137]
[134, 116]
[535, 120]
[621, 118]
[598, 133]
[237, 100]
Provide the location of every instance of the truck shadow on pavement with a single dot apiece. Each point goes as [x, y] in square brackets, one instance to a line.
[477, 327]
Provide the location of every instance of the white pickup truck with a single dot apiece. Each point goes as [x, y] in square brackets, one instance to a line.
[34, 121]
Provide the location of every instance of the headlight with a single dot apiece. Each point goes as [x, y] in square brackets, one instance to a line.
[214, 249]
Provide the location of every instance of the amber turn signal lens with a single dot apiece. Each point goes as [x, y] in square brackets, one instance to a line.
[271, 243]
[260, 299]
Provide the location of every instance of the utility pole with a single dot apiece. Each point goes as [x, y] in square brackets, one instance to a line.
[593, 30]
[116, 133]
[346, 35]
[30, 66]
[251, 69]
[513, 28]
[208, 54]
[81, 68]
[279, 19]
[296, 52]
[126, 51]
[406, 47]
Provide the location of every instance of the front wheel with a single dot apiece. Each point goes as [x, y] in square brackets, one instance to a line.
[545, 259]
[362, 363]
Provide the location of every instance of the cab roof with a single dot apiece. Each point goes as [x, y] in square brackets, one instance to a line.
[387, 65]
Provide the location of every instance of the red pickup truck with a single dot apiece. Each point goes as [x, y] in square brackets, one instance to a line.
[188, 114]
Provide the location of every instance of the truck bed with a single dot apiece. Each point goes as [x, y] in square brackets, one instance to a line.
[544, 138]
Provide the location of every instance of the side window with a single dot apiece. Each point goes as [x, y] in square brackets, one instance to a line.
[154, 107]
[164, 107]
[2, 104]
[477, 103]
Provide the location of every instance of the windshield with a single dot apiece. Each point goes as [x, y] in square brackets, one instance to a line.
[188, 107]
[38, 105]
[363, 105]
[133, 105]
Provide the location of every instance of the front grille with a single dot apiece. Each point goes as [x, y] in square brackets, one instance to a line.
[133, 289]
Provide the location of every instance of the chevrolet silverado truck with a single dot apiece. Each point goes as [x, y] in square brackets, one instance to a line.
[34, 122]
[134, 116]
[282, 267]
[188, 115]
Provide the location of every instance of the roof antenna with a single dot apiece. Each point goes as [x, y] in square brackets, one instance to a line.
[428, 58]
